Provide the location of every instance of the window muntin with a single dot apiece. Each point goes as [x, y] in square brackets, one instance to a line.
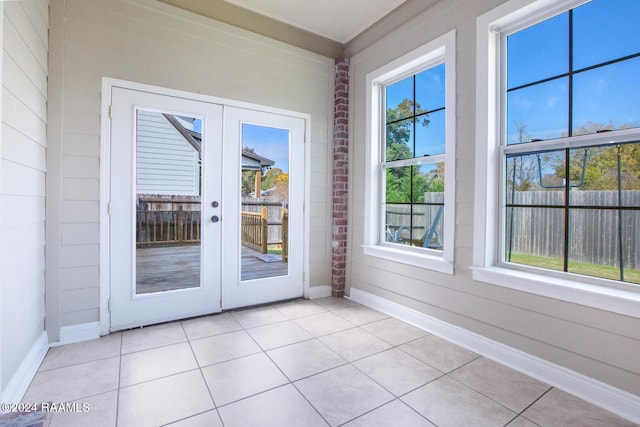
[413, 167]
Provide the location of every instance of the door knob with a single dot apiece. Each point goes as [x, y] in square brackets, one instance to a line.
[215, 204]
[215, 218]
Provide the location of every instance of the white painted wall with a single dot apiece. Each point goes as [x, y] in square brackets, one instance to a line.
[150, 42]
[596, 343]
[22, 181]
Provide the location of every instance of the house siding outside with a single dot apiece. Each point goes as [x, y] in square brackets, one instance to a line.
[150, 42]
[23, 147]
[166, 162]
[599, 344]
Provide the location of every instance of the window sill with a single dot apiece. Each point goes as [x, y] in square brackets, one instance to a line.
[403, 256]
[578, 291]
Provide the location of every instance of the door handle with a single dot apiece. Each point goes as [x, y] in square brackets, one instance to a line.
[215, 218]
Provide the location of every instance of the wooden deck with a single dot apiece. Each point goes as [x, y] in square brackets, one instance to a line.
[254, 268]
[166, 268]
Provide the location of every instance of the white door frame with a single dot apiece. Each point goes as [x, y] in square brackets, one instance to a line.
[105, 167]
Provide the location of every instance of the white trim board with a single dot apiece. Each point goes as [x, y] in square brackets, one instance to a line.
[612, 399]
[318, 292]
[78, 333]
[17, 386]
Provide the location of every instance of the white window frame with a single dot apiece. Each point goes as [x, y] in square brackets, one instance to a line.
[487, 267]
[438, 51]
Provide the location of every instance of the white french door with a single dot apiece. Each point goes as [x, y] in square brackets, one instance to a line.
[251, 278]
[165, 256]
[206, 207]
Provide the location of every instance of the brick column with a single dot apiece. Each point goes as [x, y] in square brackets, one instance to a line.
[340, 177]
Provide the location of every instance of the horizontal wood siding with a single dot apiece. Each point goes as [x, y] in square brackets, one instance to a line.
[22, 180]
[166, 163]
[599, 344]
[150, 42]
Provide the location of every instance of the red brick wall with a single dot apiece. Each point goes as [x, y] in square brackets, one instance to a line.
[340, 177]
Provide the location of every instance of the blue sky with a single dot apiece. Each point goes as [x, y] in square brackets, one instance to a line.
[429, 93]
[603, 30]
[272, 143]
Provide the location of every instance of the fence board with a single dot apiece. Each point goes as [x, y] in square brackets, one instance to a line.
[593, 233]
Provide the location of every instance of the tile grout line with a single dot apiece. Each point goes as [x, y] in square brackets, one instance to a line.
[119, 376]
[206, 384]
[285, 375]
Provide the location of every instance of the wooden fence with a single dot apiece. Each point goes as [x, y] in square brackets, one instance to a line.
[254, 230]
[167, 227]
[594, 234]
[274, 214]
[176, 220]
[421, 216]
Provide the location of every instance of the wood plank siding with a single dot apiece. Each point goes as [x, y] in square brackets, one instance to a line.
[166, 162]
[23, 147]
[175, 49]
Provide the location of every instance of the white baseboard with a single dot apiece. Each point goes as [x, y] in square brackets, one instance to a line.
[319, 292]
[612, 399]
[77, 333]
[23, 376]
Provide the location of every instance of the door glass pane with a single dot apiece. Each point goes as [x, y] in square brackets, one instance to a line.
[264, 214]
[168, 191]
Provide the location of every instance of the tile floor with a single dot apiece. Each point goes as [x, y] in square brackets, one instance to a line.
[304, 363]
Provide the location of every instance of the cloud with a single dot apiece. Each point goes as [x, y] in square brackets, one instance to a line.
[521, 102]
[552, 101]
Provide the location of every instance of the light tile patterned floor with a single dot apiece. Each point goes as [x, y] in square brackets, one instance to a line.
[304, 363]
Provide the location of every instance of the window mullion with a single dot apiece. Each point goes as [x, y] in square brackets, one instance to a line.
[570, 89]
[620, 217]
[567, 194]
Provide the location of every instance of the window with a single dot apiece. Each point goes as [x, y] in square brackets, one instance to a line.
[565, 156]
[411, 151]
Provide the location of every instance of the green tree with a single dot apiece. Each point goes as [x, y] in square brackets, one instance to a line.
[404, 184]
[522, 171]
[399, 145]
[282, 186]
[269, 178]
[600, 164]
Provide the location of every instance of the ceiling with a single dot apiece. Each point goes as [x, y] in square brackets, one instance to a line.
[338, 20]
[321, 26]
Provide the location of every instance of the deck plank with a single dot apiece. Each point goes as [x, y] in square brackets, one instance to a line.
[165, 268]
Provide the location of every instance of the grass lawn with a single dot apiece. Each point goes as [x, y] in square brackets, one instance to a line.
[595, 270]
[274, 250]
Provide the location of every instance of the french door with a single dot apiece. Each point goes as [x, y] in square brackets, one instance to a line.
[206, 207]
[270, 270]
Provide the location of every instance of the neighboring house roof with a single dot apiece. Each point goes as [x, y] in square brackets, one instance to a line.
[192, 137]
[253, 161]
[250, 161]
